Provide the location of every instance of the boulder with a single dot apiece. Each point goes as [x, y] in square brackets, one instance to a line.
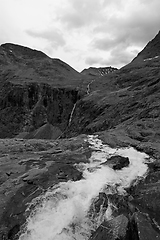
[47, 131]
[115, 229]
[117, 162]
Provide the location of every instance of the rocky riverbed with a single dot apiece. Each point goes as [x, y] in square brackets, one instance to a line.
[30, 167]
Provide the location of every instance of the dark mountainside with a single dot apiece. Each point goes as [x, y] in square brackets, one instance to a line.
[35, 90]
[47, 109]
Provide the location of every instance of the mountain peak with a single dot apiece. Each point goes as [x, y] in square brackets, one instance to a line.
[150, 51]
[21, 50]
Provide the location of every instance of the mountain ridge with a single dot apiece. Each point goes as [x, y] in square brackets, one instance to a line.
[99, 71]
[150, 51]
[23, 64]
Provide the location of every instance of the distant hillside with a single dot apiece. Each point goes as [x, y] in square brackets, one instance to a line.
[101, 71]
[21, 65]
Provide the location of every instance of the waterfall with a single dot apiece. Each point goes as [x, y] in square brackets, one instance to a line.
[64, 212]
[88, 87]
[71, 115]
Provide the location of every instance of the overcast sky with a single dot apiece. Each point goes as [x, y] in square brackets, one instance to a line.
[82, 33]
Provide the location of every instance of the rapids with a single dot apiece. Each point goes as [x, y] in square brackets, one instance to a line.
[63, 212]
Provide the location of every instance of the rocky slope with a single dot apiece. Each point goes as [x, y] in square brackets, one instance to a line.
[101, 71]
[151, 50]
[127, 99]
[37, 97]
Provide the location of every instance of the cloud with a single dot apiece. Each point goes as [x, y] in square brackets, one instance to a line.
[107, 43]
[117, 57]
[93, 60]
[80, 32]
[82, 13]
[55, 37]
[135, 25]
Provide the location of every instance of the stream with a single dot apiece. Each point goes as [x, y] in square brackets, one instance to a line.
[88, 87]
[64, 212]
[71, 115]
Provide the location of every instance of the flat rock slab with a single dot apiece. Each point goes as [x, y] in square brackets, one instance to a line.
[144, 228]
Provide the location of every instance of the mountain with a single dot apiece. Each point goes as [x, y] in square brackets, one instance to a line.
[101, 71]
[48, 112]
[35, 89]
[151, 50]
[20, 64]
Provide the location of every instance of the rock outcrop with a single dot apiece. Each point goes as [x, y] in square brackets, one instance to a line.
[28, 107]
[117, 162]
[114, 229]
[101, 71]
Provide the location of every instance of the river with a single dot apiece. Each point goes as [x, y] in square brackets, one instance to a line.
[63, 212]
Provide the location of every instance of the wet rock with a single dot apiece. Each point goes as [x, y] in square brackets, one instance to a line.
[114, 229]
[120, 205]
[119, 226]
[13, 232]
[100, 203]
[147, 195]
[145, 229]
[117, 162]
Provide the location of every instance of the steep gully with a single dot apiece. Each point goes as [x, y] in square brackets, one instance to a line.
[74, 106]
[73, 109]
[72, 210]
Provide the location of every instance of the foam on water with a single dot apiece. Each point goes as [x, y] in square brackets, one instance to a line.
[63, 212]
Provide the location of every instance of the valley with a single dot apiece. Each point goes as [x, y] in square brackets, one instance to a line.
[53, 121]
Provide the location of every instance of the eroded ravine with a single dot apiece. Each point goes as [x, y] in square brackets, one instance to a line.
[65, 211]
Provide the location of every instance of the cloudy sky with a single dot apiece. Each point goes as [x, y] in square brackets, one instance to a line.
[82, 33]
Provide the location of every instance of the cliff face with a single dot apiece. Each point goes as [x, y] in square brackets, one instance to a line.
[28, 107]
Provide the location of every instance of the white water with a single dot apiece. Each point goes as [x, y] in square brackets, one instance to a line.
[88, 87]
[63, 212]
[70, 119]
[149, 59]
